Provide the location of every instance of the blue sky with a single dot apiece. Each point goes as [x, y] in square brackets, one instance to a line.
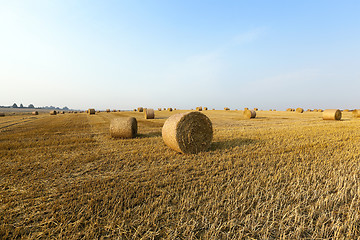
[124, 54]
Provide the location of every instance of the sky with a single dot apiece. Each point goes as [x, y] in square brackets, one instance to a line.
[183, 54]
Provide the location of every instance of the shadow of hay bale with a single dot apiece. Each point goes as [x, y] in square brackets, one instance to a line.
[231, 143]
[149, 135]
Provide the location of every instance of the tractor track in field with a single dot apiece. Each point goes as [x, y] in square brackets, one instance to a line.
[7, 124]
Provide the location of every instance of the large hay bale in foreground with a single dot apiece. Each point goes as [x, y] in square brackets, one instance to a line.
[53, 112]
[332, 114]
[91, 111]
[249, 114]
[2, 114]
[300, 110]
[189, 132]
[356, 113]
[149, 113]
[140, 109]
[125, 127]
[35, 113]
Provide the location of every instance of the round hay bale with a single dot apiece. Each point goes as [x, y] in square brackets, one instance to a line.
[332, 114]
[91, 111]
[226, 109]
[140, 109]
[125, 127]
[205, 108]
[35, 113]
[114, 110]
[164, 109]
[135, 110]
[53, 112]
[159, 109]
[108, 110]
[199, 109]
[356, 113]
[170, 109]
[62, 112]
[249, 114]
[246, 109]
[2, 114]
[149, 113]
[300, 110]
[256, 109]
[189, 132]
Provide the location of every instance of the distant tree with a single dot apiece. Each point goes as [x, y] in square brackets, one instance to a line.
[14, 105]
[31, 106]
[21, 105]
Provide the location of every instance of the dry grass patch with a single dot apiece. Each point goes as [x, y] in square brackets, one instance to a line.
[281, 175]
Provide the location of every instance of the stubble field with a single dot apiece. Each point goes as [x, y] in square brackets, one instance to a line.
[283, 175]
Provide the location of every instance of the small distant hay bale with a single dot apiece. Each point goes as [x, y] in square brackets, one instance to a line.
[91, 111]
[149, 113]
[164, 109]
[159, 109]
[189, 132]
[135, 110]
[320, 110]
[346, 110]
[2, 114]
[114, 110]
[140, 109]
[226, 109]
[125, 127]
[249, 114]
[199, 109]
[213, 109]
[62, 112]
[300, 110]
[53, 112]
[332, 114]
[289, 110]
[205, 108]
[108, 110]
[256, 109]
[356, 113]
[35, 113]
[246, 109]
[170, 109]
[75, 112]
